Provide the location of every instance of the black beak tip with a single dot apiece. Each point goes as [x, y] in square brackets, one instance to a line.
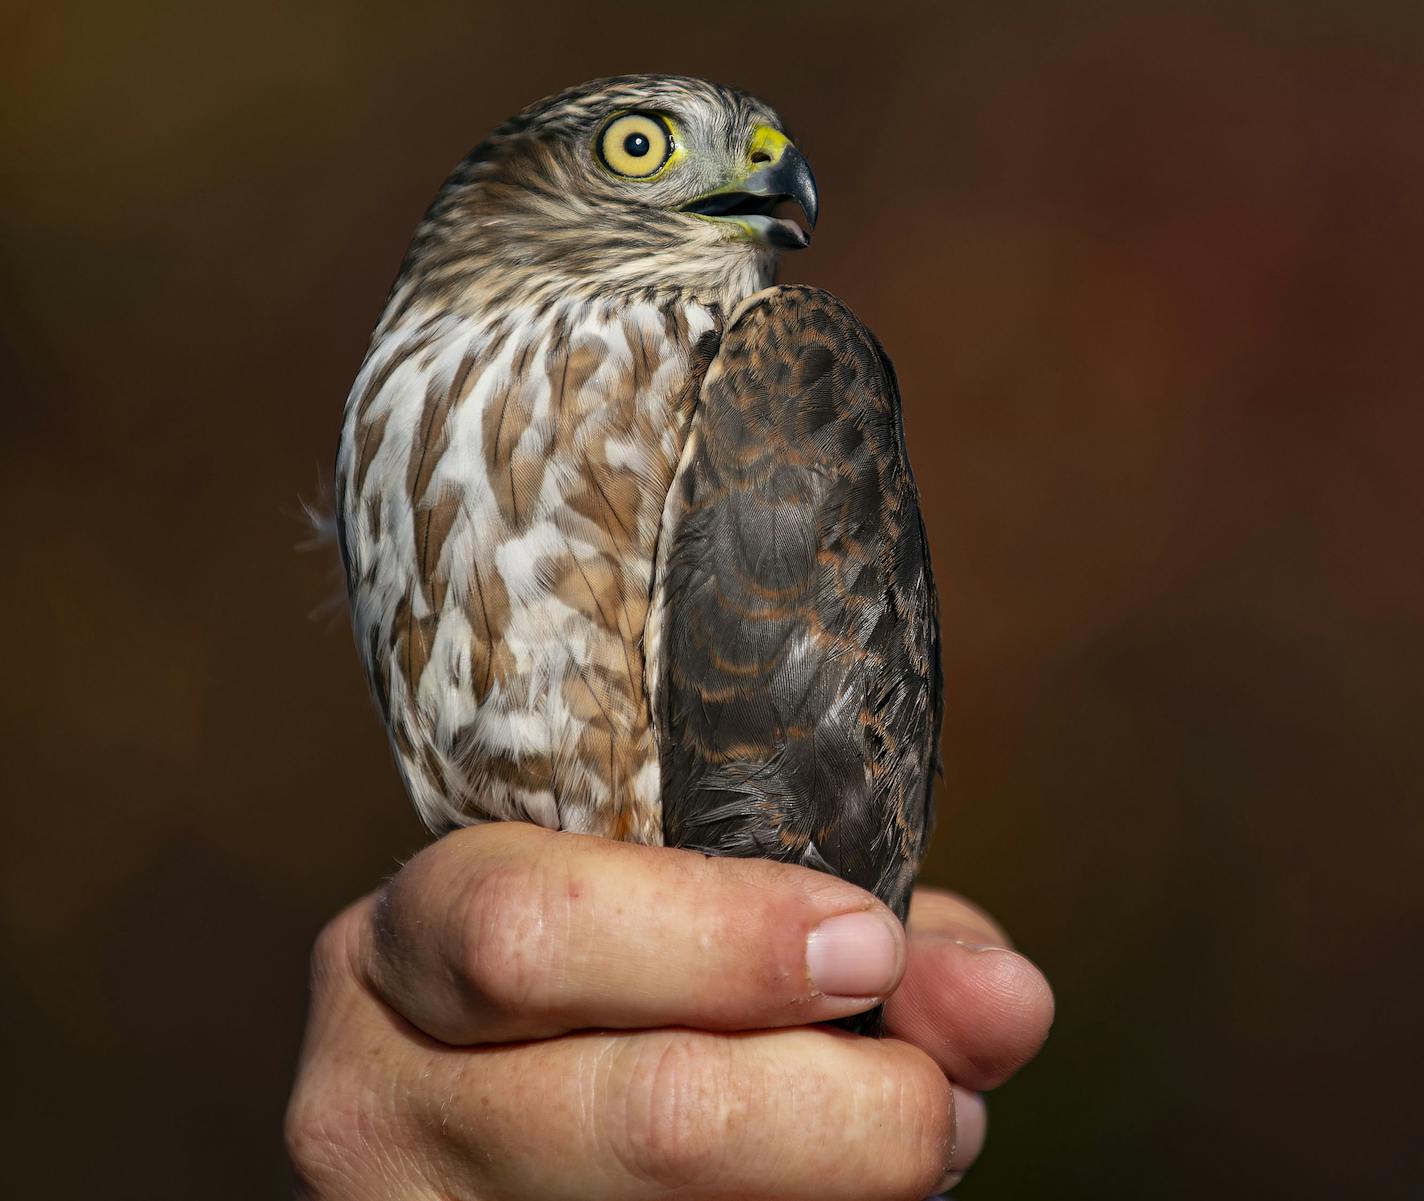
[804, 192]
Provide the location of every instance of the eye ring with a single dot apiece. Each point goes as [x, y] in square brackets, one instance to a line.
[635, 145]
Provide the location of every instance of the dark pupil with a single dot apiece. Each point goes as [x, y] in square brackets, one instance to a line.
[637, 144]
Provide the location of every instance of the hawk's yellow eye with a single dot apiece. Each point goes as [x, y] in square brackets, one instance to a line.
[635, 145]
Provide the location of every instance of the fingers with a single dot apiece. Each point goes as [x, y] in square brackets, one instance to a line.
[934, 911]
[802, 1113]
[350, 1129]
[508, 931]
[971, 1127]
[979, 1010]
[380, 1110]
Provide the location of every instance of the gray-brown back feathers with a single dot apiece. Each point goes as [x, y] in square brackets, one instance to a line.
[800, 699]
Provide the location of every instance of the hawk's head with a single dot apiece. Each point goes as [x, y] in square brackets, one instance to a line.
[638, 183]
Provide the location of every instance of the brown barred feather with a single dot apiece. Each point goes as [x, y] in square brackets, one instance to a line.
[800, 703]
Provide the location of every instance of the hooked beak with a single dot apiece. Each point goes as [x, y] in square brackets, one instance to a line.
[782, 178]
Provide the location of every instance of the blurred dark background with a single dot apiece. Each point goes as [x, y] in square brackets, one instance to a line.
[1151, 274]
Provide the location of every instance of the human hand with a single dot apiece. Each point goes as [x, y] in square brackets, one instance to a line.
[527, 1014]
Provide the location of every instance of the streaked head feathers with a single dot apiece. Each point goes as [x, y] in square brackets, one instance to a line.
[631, 184]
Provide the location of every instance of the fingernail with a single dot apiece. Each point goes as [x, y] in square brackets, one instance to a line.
[854, 955]
[977, 946]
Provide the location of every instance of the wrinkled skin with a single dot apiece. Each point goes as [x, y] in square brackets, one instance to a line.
[526, 1014]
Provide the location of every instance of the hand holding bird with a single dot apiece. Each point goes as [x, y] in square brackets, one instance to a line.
[527, 1014]
[634, 550]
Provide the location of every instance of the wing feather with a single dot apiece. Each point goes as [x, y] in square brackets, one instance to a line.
[799, 697]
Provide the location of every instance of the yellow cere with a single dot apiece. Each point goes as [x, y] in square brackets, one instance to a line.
[768, 145]
[636, 145]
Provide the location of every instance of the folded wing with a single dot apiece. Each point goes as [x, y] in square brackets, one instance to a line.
[795, 663]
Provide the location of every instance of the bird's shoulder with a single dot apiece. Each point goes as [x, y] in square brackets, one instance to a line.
[797, 374]
[803, 346]
[792, 298]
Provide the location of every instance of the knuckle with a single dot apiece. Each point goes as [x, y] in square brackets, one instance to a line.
[679, 1110]
[349, 1132]
[309, 1143]
[936, 1109]
[325, 1140]
[331, 956]
[924, 1109]
[512, 936]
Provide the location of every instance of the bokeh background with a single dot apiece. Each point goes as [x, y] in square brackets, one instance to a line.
[1151, 274]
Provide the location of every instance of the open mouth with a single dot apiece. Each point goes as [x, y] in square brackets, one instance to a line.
[778, 220]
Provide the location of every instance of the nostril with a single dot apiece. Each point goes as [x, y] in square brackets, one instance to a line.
[761, 156]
